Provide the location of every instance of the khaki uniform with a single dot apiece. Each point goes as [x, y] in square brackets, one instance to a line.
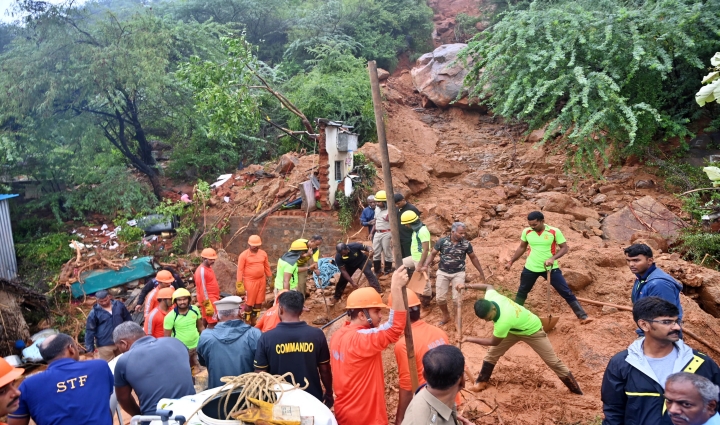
[382, 241]
[426, 409]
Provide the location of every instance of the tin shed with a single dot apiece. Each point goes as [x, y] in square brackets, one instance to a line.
[8, 262]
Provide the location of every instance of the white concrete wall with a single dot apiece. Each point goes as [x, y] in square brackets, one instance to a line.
[334, 155]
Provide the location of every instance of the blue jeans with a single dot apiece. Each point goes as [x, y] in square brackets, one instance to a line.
[528, 279]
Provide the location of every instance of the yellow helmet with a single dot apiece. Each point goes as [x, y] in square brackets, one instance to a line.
[381, 196]
[299, 245]
[180, 293]
[408, 217]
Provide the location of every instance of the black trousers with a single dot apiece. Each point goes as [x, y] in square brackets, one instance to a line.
[369, 275]
[528, 279]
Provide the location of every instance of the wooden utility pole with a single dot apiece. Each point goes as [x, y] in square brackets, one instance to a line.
[392, 212]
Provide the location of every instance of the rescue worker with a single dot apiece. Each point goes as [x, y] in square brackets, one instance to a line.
[309, 263]
[350, 258]
[453, 251]
[164, 279]
[512, 324]
[356, 353]
[691, 399]
[382, 239]
[155, 321]
[425, 338]
[405, 232]
[547, 244]
[419, 248]
[650, 281]
[294, 346]
[287, 268]
[435, 404]
[104, 317]
[184, 322]
[68, 391]
[367, 217]
[9, 394]
[229, 348]
[634, 381]
[207, 287]
[153, 283]
[270, 319]
[252, 274]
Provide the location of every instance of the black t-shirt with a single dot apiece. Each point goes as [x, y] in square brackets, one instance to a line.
[405, 231]
[355, 259]
[294, 347]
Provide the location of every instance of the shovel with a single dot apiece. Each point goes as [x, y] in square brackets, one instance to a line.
[549, 322]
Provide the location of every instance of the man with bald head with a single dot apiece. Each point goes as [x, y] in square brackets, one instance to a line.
[69, 391]
[691, 399]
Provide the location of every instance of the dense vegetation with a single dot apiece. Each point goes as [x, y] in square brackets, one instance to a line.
[600, 73]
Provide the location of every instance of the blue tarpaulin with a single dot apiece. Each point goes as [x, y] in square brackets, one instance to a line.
[96, 280]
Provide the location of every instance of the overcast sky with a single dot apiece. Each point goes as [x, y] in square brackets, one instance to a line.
[6, 4]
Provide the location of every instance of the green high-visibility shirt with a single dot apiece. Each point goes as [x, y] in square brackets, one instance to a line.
[513, 318]
[422, 235]
[543, 245]
[282, 268]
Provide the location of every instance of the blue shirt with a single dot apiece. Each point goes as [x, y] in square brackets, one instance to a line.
[367, 215]
[68, 392]
[714, 420]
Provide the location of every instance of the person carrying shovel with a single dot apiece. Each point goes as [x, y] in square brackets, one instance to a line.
[512, 323]
[547, 244]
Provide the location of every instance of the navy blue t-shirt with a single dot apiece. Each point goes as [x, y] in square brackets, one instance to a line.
[68, 392]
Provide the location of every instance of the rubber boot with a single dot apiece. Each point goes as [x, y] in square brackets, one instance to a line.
[377, 264]
[519, 300]
[389, 268]
[446, 314]
[571, 384]
[248, 315]
[483, 379]
[254, 316]
[580, 312]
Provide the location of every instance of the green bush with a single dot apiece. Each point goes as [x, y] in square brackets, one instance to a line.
[603, 73]
[41, 258]
[695, 245]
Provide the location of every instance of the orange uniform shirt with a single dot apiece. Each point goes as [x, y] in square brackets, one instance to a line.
[269, 320]
[425, 337]
[154, 323]
[253, 266]
[151, 301]
[358, 378]
[207, 288]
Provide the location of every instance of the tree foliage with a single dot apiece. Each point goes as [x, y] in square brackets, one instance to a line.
[599, 72]
[711, 90]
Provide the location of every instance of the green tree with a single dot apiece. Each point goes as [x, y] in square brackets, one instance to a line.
[599, 72]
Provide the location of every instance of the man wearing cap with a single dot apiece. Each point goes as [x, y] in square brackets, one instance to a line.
[68, 391]
[253, 271]
[153, 368]
[294, 346]
[419, 249]
[208, 290]
[154, 322]
[287, 268]
[309, 263]
[104, 317]
[382, 239]
[405, 232]
[9, 394]
[367, 217]
[425, 338]
[184, 322]
[153, 283]
[349, 258]
[229, 348]
[270, 319]
[356, 353]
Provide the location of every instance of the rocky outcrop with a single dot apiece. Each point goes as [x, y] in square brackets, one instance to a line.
[564, 204]
[438, 77]
[372, 152]
[644, 214]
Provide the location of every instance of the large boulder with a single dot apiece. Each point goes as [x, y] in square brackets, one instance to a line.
[372, 152]
[564, 204]
[577, 280]
[646, 211]
[444, 168]
[481, 180]
[438, 77]
[225, 272]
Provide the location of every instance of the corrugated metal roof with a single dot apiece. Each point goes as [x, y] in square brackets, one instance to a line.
[8, 263]
[8, 196]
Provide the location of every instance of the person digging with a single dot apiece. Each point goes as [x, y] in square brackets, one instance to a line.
[547, 244]
[513, 323]
[419, 248]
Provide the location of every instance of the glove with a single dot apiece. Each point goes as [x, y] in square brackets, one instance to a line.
[240, 288]
[209, 309]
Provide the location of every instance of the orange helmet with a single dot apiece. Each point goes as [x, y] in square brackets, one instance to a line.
[8, 373]
[254, 240]
[165, 293]
[364, 298]
[413, 299]
[209, 253]
[165, 276]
